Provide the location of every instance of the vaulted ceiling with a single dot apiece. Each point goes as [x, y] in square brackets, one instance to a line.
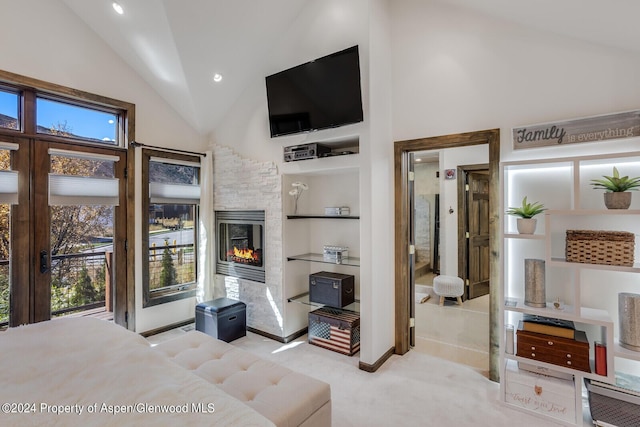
[178, 45]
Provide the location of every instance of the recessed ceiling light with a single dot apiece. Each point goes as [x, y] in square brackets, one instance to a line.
[217, 78]
[118, 8]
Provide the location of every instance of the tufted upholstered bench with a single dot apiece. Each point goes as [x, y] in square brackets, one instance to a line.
[285, 397]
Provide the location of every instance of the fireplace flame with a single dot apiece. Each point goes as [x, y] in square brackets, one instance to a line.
[244, 253]
[244, 256]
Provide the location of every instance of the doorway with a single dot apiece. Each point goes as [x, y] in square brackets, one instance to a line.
[68, 231]
[445, 327]
[403, 270]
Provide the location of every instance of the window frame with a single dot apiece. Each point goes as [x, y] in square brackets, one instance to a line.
[27, 89]
[13, 90]
[119, 135]
[177, 292]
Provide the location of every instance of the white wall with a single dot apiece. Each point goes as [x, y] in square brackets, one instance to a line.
[456, 71]
[322, 28]
[376, 190]
[452, 71]
[43, 39]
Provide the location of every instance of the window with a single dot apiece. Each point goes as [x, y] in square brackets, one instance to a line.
[9, 110]
[172, 199]
[75, 121]
[8, 196]
[63, 229]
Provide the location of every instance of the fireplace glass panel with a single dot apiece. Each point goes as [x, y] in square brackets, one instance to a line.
[241, 243]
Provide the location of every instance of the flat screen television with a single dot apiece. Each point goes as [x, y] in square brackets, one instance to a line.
[319, 94]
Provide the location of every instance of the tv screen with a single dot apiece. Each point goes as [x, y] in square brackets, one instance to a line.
[320, 94]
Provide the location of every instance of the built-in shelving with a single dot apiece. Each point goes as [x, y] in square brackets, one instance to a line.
[304, 299]
[322, 217]
[323, 165]
[589, 292]
[311, 257]
[331, 181]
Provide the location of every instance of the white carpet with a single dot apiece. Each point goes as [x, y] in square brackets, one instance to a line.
[416, 389]
[411, 390]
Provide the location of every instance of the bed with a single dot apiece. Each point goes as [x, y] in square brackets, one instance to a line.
[89, 372]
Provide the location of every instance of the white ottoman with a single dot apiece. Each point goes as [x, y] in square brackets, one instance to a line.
[287, 398]
[448, 286]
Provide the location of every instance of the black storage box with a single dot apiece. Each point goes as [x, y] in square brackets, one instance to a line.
[332, 289]
[222, 318]
[335, 329]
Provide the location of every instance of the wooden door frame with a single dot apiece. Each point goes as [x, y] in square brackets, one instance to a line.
[401, 160]
[40, 226]
[127, 130]
[463, 213]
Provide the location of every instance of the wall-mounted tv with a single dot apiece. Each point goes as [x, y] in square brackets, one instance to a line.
[319, 94]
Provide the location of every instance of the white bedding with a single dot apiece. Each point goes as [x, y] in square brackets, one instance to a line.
[94, 369]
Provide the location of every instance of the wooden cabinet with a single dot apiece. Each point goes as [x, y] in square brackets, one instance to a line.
[569, 353]
[586, 294]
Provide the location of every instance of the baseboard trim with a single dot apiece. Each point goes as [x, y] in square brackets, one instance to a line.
[167, 328]
[374, 367]
[283, 340]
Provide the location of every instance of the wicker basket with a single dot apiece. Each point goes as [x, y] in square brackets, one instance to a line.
[600, 247]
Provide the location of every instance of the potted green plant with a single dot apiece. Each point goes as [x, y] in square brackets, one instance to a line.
[526, 222]
[617, 189]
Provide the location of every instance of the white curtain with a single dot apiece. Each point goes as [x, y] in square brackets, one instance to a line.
[9, 187]
[206, 237]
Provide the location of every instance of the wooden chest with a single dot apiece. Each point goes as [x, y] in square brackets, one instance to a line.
[335, 329]
[570, 353]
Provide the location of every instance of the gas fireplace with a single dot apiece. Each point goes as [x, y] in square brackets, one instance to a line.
[241, 244]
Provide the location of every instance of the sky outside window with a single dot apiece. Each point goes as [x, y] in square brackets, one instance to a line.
[8, 110]
[78, 121]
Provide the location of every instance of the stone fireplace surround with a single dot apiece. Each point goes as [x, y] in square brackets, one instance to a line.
[244, 184]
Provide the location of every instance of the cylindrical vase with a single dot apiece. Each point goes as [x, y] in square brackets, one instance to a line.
[629, 319]
[509, 339]
[534, 283]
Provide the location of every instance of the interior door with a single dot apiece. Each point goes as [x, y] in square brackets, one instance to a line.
[478, 233]
[75, 222]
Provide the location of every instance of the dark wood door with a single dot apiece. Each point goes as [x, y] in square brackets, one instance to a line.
[67, 257]
[478, 238]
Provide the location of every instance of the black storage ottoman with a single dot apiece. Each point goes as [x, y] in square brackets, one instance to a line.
[222, 318]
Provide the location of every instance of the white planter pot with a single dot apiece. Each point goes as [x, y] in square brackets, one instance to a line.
[526, 225]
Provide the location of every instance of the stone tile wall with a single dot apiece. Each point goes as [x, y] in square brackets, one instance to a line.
[245, 184]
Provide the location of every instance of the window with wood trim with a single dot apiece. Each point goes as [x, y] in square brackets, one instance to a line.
[63, 203]
[171, 197]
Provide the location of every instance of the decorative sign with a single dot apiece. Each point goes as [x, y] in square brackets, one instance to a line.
[590, 129]
[449, 174]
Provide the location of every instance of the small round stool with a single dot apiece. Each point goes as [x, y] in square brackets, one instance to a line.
[448, 286]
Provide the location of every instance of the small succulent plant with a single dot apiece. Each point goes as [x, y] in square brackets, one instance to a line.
[527, 210]
[616, 183]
